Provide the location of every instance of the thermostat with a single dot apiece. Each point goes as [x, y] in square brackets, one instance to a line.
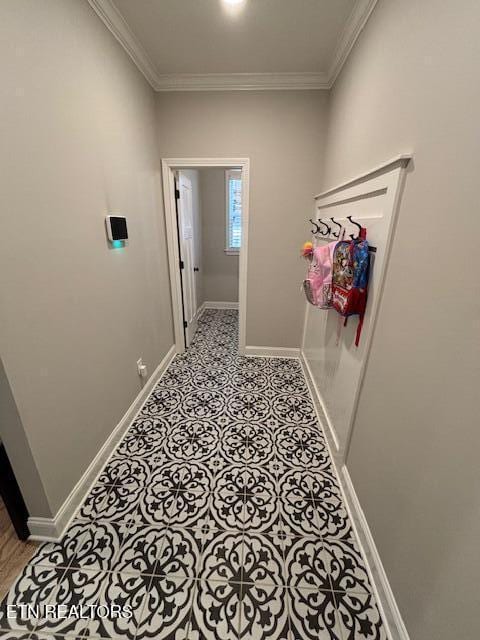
[116, 228]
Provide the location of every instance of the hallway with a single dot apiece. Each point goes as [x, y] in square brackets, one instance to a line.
[219, 515]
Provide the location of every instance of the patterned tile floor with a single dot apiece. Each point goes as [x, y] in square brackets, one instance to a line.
[218, 517]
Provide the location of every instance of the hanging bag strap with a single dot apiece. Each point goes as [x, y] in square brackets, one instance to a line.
[361, 316]
[359, 329]
[339, 329]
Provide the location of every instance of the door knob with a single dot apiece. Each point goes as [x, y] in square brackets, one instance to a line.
[196, 269]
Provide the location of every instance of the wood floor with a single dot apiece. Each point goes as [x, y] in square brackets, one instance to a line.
[14, 554]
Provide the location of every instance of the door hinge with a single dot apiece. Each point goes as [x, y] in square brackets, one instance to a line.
[182, 265]
[177, 194]
[185, 324]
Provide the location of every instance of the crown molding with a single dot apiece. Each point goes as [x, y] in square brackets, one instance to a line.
[115, 22]
[240, 81]
[352, 29]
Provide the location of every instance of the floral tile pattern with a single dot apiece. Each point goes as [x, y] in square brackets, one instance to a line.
[219, 516]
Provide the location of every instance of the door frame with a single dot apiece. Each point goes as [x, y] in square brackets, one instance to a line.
[169, 166]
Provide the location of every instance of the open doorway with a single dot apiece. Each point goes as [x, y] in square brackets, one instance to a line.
[206, 208]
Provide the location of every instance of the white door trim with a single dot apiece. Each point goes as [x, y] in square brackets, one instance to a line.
[169, 165]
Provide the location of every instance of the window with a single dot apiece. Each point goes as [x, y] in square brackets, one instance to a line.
[233, 179]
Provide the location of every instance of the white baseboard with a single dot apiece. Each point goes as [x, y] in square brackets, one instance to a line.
[383, 592]
[53, 528]
[43, 529]
[331, 434]
[200, 310]
[272, 352]
[386, 601]
[219, 305]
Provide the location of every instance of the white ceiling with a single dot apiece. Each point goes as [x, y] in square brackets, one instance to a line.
[299, 43]
[264, 36]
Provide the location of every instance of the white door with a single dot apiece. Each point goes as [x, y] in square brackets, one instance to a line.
[187, 266]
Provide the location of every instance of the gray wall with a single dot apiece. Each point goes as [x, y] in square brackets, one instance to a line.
[282, 132]
[411, 84]
[78, 131]
[220, 271]
[14, 438]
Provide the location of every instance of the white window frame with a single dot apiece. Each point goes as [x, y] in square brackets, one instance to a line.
[229, 173]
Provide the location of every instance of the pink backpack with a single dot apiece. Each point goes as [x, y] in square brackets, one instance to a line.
[318, 282]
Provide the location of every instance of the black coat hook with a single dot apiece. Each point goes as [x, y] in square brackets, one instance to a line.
[337, 234]
[315, 231]
[357, 225]
[329, 230]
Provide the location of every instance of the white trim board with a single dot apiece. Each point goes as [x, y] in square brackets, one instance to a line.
[199, 311]
[378, 578]
[242, 81]
[272, 352]
[320, 405]
[169, 165]
[373, 197]
[220, 305]
[401, 160]
[353, 27]
[118, 26]
[53, 528]
[391, 615]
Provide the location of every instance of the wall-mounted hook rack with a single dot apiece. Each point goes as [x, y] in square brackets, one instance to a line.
[359, 226]
[328, 228]
[316, 230]
[337, 234]
[331, 235]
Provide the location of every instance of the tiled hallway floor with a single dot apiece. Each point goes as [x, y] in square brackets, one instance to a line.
[219, 516]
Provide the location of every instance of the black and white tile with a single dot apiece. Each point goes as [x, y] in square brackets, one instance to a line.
[314, 615]
[216, 610]
[219, 516]
[167, 609]
[140, 549]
